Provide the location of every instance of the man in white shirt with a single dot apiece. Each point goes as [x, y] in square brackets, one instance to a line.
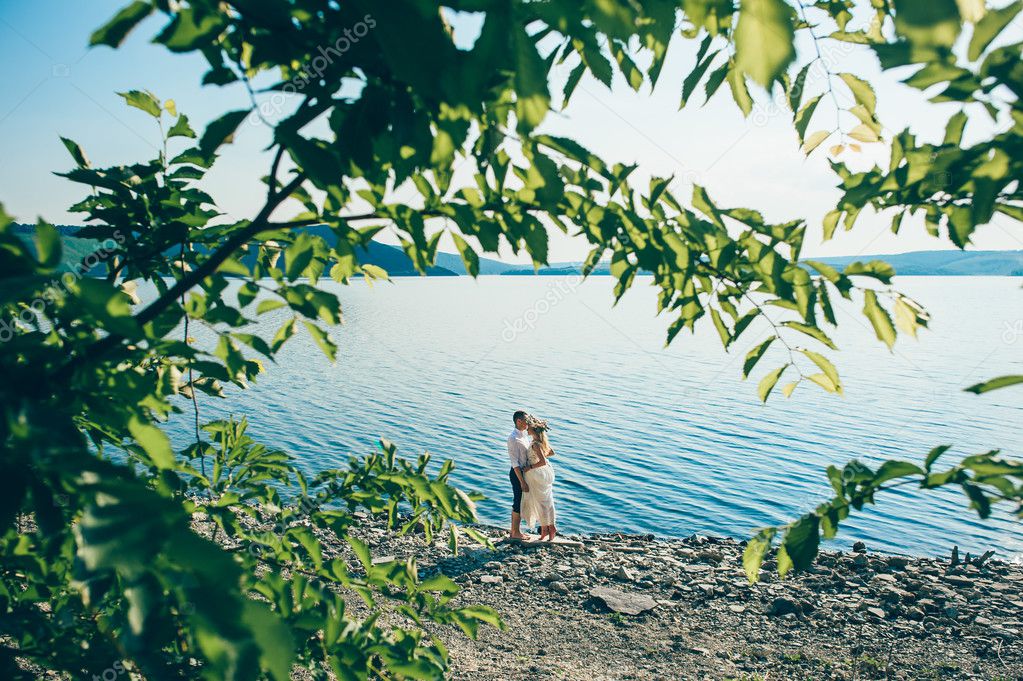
[518, 455]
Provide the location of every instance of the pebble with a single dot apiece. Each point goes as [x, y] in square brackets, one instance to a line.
[694, 592]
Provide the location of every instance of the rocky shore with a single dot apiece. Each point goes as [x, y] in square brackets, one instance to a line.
[634, 607]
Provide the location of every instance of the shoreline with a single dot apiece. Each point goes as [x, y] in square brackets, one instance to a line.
[635, 607]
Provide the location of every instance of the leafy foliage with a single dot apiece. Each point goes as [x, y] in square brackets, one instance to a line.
[100, 513]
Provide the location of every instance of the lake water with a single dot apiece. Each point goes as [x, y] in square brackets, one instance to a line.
[650, 440]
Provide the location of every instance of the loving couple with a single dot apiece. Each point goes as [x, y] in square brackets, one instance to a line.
[532, 476]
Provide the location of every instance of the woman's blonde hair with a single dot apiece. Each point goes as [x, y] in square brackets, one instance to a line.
[540, 427]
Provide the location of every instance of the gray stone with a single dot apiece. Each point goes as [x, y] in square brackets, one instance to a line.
[876, 612]
[622, 601]
[491, 579]
[624, 575]
[783, 606]
[559, 586]
[961, 582]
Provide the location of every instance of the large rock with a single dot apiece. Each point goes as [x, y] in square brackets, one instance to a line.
[622, 601]
[784, 606]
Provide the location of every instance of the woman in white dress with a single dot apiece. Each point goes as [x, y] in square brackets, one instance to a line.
[538, 502]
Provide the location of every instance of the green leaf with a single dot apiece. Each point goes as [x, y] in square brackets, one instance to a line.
[361, 550]
[273, 637]
[954, 129]
[864, 133]
[439, 582]
[995, 384]
[801, 542]
[830, 223]
[768, 382]
[892, 469]
[740, 93]
[804, 115]
[764, 39]
[221, 131]
[827, 367]
[298, 256]
[719, 324]
[814, 141]
[988, 28]
[117, 29]
[286, 331]
[324, 342]
[145, 101]
[879, 318]
[76, 152]
[268, 304]
[861, 91]
[811, 331]
[694, 77]
[877, 269]
[933, 455]
[181, 128]
[470, 258]
[934, 23]
[572, 83]
[754, 355]
[533, 99]
[756, 549]
[48, 245]
[153, 441]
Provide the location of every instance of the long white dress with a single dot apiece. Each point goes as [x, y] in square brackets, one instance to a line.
[538, 502]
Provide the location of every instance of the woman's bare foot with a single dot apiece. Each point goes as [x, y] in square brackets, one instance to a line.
[551, 532]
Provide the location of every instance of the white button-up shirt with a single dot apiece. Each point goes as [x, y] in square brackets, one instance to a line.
[518, 448]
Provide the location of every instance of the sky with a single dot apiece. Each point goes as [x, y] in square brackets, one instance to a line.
[54, 85]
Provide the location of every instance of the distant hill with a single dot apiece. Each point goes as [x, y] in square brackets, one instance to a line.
[945, 263]
[915, 263]
[391, 258]
[397, 264]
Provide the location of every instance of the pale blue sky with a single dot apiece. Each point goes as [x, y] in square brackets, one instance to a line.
[54, 85]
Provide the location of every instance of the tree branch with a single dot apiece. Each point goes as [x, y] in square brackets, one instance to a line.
[207, 267]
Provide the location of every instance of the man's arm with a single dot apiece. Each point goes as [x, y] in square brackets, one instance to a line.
[514, 446]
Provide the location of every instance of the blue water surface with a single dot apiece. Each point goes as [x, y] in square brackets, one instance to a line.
[669, 441]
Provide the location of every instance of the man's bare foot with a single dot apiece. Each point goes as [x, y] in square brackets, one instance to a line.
[516, 535]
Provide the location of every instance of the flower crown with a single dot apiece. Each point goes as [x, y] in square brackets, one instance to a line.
[537, 423]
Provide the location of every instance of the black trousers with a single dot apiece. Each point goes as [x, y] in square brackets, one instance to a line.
[516, 491]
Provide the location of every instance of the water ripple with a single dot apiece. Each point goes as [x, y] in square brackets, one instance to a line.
[667, 441]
